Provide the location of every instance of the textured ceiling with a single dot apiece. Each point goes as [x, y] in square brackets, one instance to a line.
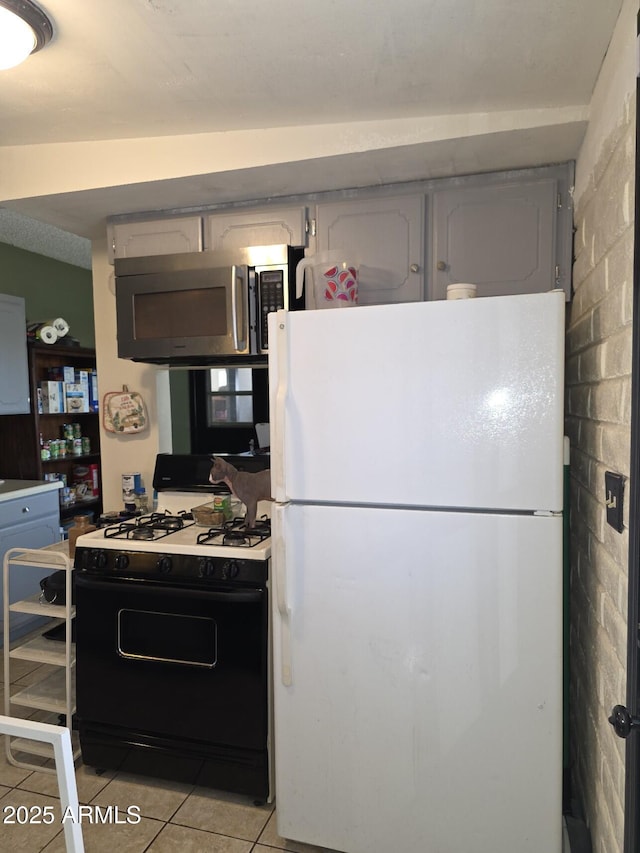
[35, 236]
[129, 68]
[126, 69]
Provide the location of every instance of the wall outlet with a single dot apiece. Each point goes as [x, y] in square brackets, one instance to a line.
[614, 491]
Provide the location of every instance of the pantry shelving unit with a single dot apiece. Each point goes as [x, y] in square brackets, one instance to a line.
[20, 434]
[54, 694]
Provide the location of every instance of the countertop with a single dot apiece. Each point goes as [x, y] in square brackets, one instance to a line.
[10, 489]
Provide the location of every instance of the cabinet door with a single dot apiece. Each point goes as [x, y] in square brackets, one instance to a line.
[14, 376]
[274, 227]
[500, 238]
[37, 533]
[158, 237]
[385, 237]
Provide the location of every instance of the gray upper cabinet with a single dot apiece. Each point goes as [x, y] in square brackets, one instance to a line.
[14, 376]
[154, 237]
[505, 232]
[270, 227]
[502, 237]
[385, 236]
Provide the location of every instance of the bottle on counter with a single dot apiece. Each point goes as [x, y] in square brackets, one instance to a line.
[81, 524]
[142, 501]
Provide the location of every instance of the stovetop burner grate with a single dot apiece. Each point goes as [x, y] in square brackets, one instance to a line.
[150, 527]
[233, 533]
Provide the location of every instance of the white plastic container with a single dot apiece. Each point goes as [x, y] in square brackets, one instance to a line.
[461, 291]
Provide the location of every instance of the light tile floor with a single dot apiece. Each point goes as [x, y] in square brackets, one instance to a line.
[174, 818]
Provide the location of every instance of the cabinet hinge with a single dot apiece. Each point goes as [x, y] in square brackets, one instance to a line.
[310, 227]
[558, 276]
[559, 201]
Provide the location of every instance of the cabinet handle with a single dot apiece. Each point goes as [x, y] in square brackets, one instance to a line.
[441, 265]
[25, 509]
[415, 267]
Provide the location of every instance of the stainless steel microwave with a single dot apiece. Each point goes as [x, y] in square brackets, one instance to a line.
[203, 307]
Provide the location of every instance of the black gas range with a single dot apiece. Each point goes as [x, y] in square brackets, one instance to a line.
[172, 627]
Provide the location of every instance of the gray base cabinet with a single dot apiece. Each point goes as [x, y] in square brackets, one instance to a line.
[28, 521]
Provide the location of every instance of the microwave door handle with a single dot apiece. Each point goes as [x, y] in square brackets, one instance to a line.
[236, 279]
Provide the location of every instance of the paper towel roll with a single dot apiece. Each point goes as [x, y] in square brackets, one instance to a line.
[47, 334]
[60, 325]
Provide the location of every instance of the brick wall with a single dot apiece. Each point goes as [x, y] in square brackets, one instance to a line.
[598, 425]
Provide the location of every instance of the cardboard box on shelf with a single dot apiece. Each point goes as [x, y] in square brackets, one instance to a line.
[86, 481]
[95, 480]
[76, 398]
[62, 374]
[52, 394]
[93, 391]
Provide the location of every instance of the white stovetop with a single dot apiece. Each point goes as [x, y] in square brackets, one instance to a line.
[181, 541]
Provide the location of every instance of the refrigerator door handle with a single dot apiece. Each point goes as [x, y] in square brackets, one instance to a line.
[281, 395]
[280, 581]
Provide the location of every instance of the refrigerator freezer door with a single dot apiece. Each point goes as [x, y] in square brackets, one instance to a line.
[420, 703]
[450, 404]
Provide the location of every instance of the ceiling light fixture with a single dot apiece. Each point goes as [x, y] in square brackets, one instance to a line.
[24, 29]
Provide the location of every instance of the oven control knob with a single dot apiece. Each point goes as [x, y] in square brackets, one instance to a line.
[121, 561]
[230, 569]
[90, 559]
[207, 567]
[164, 565]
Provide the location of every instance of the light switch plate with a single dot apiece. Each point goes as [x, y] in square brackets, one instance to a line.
[614, 496]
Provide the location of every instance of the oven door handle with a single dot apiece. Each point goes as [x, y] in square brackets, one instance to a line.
[232, 596]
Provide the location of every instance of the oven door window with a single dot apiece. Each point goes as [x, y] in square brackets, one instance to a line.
[167, 638]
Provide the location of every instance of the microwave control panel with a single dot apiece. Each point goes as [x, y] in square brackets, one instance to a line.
[271, 298]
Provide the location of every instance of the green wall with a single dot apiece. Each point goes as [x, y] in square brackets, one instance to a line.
[50, 289]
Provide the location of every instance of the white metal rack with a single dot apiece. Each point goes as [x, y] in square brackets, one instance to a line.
[55, 693]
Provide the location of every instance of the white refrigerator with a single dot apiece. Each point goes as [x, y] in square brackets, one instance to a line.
[417, 472]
